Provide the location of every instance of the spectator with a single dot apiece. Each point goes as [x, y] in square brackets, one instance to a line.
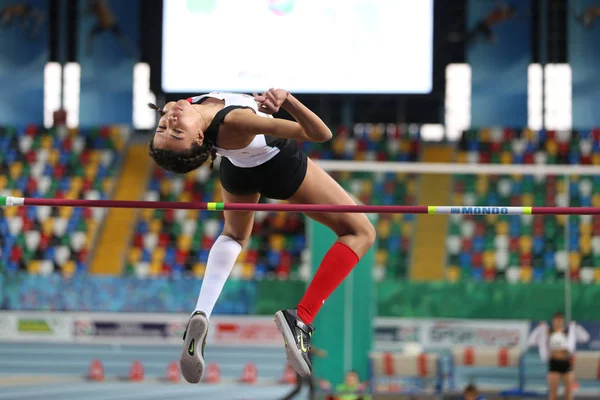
[471, 393]
[352, 388]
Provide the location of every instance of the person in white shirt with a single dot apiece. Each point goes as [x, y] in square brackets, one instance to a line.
[556, 344]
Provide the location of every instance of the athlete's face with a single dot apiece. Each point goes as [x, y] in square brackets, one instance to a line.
[558, 323]
[179, 127]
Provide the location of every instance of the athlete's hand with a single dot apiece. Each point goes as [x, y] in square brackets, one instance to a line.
[270, 101]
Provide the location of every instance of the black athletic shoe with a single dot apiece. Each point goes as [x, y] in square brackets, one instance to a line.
[194, 339]
[296, 335]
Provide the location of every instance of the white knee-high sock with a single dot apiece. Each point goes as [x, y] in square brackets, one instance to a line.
[221, 260]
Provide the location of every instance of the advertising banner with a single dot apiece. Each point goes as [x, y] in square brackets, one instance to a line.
[392, 333]
[36, 326]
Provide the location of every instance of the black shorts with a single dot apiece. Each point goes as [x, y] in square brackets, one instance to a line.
[279, 178]
[560, 366]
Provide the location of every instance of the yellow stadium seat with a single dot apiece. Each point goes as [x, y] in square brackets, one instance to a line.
[247, 271]
[69, 268]
[595, 200]
[528, 134]
[91, 171]
[134, 255]
[396, 218]
[525, 244]
[597, 275]
[158, 255]
[585, 229]
[407, 230]
[574, 260]
[404, 146]
[338, 145]
[3, 181]
[491, 218]
[184, 243]
[411, 186]
[360, 156]
[156, 226]
[461, 157]
[94, 157]
[76, 183]
[15, 170]
[381, 257]
[65, 212]
[489, 259]
[506, 157]
[10, 211]
[190, 176]
[155, 268]
[561, 186]
[53, 157]
[146, 214]
[383, 229]
[198, 269]
[243, 255]
[502, 228]
[115, 131]
[17, 193]
[92, 225]
[481, 186]
[585, 245]
[526, 274]
[276, 242]
[73, 132]
[165, 187]
[107, 185]
[72, 194]
[46, 142]
[561, 220]
[596, 159]
[33, 267]
[457, 199]
[48, 226]
[551, 147]
[453, 274]
[527, 199]
[185, 197]
[368, 186]
[484, 135]
[193, 214]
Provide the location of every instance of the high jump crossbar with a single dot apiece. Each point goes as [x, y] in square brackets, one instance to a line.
[309, 208]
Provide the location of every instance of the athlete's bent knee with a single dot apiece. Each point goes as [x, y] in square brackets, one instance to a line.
[367, 232]
[241, 239]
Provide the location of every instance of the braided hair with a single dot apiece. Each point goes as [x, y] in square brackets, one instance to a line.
[182, 162]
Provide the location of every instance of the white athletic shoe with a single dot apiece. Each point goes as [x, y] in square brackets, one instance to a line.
[194, 340]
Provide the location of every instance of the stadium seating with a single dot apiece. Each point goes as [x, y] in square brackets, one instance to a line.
[369, 142]
[525, 248]
[167, 242]
[57, 163]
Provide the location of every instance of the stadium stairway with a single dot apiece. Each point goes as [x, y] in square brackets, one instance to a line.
[118, 228]
[429, 240]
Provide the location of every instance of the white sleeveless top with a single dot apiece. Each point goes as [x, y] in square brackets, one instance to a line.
[260, 150]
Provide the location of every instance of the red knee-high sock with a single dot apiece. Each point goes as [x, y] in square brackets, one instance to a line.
[335, 267]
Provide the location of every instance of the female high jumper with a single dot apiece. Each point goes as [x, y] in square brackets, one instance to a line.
[260, 156]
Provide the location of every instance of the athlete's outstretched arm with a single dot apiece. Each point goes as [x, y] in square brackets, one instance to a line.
[308, 120]
[309, 126]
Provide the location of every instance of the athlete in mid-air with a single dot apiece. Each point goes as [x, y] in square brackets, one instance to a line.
[260, 157]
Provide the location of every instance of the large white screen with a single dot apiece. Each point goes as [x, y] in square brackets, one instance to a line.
[305, 46]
